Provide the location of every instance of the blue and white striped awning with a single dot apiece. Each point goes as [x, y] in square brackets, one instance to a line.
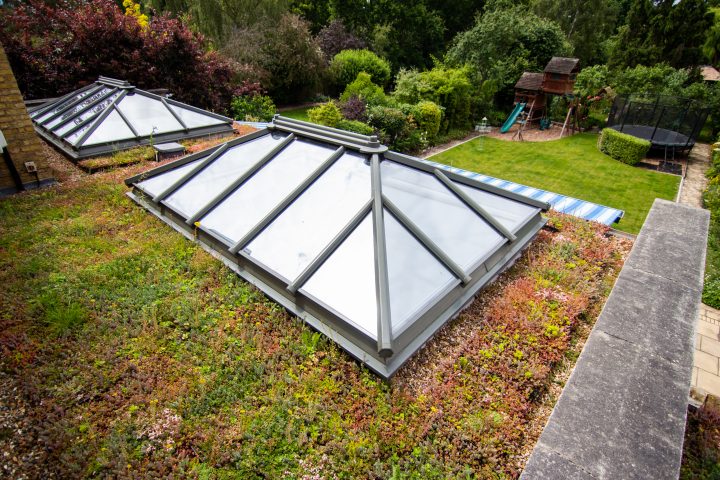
[559, 203]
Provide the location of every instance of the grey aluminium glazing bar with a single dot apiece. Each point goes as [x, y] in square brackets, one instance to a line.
[70, 105]
[174, 113]
[85, 108]
[382, 282]
[292, 196]
[330, 248]
[194, 171]
[427, 242]
[474, 206]
[126, 120]
[241, 179]
[100, 118]
[44, 109]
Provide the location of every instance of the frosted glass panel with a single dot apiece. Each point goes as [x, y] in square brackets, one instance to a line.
[414, 275]
[509, 213]
[195, 119]
[217, 176]
[62, 105]
[297, 236]
[112, 129]
[90, 114]
[148, 115]
[346, 281]
[245, 207]
[159, 183]
[443, 217]
[77, 108]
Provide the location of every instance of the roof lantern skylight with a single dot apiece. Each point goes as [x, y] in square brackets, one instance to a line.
[111, 115]
[374, 249]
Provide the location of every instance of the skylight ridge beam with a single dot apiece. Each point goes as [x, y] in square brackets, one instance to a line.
[330, 248]
[382, 282]
[280, 120]
[71, 105]
[426, 241]
[194, 171]
[323, 134]
[480, 211]
[43, 110]
[174, 113]
[285, 203]
[100, 118]
[126, 120]
[241, 179]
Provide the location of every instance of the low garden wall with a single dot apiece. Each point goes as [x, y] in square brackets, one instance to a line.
[622, 413]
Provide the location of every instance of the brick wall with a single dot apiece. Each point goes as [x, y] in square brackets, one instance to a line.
[24, 144]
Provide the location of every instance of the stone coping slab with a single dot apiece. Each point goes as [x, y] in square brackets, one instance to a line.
[622, 412]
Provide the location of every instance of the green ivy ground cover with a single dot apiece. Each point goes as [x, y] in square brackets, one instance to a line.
[572, 166]
[142, 356]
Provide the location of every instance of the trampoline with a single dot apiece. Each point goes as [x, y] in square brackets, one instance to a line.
[669, 123]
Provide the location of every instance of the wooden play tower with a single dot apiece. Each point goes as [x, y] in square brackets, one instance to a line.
[533, 88]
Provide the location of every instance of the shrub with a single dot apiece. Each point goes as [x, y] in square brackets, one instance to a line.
[346, 66]
[93, 38]
[448, 87]
[390, 121]
[253, 108]
[428, 115]
[623, 147]
[327, 114]
[355, 126]
[335, 37]
[363, 87]
[354, 109]
[282, 56]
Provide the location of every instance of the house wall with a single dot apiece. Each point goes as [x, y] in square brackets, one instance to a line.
[24, 145]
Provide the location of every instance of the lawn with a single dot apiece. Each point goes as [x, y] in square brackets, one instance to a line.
[140, 355]
[297, 113]
[572, 166]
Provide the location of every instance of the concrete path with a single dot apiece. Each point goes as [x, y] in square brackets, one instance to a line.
[706, 369]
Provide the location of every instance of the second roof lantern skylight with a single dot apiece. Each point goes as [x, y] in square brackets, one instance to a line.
[110, 114]
[379, 248]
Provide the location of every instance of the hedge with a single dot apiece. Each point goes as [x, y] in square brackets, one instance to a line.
[623, 147]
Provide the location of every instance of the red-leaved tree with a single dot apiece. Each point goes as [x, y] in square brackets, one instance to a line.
[56, 49]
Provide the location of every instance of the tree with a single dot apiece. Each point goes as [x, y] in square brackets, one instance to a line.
[505, 42]
[662, 31]
[283, 57]
[56, 49]
[335, 37]
[711, 48]
[586, 24]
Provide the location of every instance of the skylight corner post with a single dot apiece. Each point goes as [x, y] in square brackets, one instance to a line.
[382, 283]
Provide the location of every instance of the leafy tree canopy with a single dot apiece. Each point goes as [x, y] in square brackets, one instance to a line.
[507, 41]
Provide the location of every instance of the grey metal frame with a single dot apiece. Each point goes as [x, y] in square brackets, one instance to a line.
[80, 151]
[389, 350]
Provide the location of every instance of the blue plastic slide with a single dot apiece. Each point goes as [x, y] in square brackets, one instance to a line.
[511, 119]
